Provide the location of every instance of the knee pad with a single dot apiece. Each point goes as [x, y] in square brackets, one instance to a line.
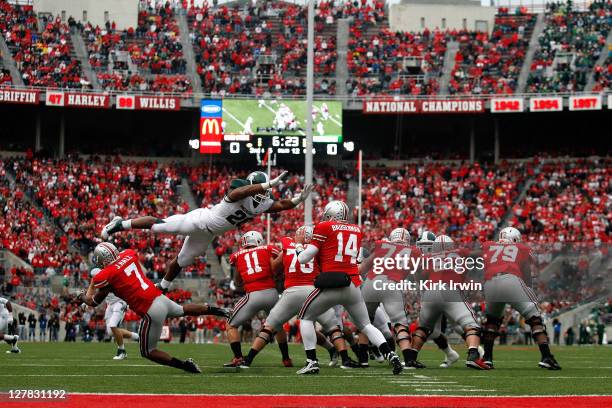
[265, 335]
[422, 332]
[537, 326]
[472, 331]
[335, 334]
[401, 332]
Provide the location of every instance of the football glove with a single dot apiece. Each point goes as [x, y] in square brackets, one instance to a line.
[300, 198]
[276, 181]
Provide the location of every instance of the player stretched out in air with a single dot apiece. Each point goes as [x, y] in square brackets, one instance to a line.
[6, 316]
[508, 264]
[255, 273]
[438, 302]
[113, 316]
[244, 200]
[337, 246]
[122, 274]
[299, 283]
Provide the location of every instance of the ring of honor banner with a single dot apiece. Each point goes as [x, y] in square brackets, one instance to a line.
[211, 129]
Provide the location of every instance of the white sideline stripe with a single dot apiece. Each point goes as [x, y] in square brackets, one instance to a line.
[234, 117]
[339, 395]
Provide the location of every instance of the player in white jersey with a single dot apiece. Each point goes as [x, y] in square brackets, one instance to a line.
[6, 316]
[113, 316]
[245, 200]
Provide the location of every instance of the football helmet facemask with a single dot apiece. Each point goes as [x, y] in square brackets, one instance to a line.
[251, 239]
[443, 243]
[307, 232]
[509, 234]
[259, 177]
[400, 235]
[104, 254]
[425, 241]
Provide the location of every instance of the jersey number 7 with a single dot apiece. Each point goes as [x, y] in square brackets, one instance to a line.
[133, 268]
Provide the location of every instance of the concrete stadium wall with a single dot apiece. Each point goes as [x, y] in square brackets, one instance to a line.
[417, 17]
[123, 12]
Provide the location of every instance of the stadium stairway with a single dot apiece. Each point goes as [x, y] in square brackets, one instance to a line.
[81, 53]
[188, 53]
[605, 51]
[533, 46]
[342, 73]
[9, 63]
[449, 63]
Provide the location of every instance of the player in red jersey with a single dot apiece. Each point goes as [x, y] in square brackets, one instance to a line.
[336, 244]
[122, 274]
[257, 275]
[376, 292]
[440, 299]
[299, 283]
[508, 264]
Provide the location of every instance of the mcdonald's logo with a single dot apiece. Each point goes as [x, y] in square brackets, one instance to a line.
[210, 126]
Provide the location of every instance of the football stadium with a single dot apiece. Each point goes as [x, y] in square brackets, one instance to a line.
[309, 203]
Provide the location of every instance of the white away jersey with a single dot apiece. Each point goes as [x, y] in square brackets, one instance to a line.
[111, 298]
[228, 215]
[3, 309]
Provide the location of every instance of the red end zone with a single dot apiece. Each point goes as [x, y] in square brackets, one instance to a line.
[265, 401]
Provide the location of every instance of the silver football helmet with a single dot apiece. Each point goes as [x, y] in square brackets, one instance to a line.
[251, 239]
[509, 234]
[400, 235]
[104, 254]
[336, 211]
[425, 241]
[307, 232]
[443, 243]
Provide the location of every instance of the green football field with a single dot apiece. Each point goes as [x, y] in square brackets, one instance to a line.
[236, 114]
[79, 367]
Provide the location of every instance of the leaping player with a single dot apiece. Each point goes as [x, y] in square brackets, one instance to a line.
[245, 200]
[122, 274]
[6, 315]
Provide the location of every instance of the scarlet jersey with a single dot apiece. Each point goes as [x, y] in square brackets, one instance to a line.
[128, 281]
[384, 249]
[440, 267]
[339, 244]
[255, 266]
[297, 274]
[510, 258]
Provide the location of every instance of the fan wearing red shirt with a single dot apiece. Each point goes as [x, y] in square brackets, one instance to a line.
[336, 244]
[396, 247]
[257, 275]
[508, 264]
[122, 274]
[436, 303]
[299, 283]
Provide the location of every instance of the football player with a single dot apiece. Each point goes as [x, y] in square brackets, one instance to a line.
[122, 275]
[337, 246]
[245, 200]
[508, 264]
[449, 302]
[396, 247]
[6, 316]
[299, 283]
[256, 274]
[113, 316]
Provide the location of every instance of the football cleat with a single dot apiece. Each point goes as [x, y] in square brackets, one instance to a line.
[121, 355]
[311, 367]
[288, 363]
[375, 355]
[14, 350]
[112, 227]
[414, 364]
[549, 363]
[450, 359]
[235, 363]
[395, 362]
[489, 364]
[349, 364]
[333, 358]
[191, 366]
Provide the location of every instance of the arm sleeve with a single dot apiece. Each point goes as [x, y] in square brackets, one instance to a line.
[101, 279]
[308, 254]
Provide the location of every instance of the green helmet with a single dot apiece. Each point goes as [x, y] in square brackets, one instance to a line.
[259, 177]
[425, 241]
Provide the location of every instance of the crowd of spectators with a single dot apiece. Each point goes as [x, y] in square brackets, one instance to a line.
[603, 75]
[569, 46]
[44, 54]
